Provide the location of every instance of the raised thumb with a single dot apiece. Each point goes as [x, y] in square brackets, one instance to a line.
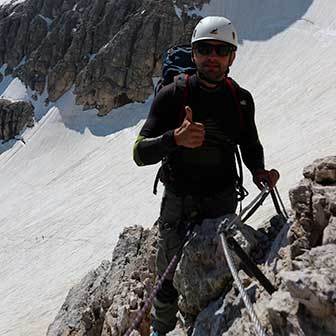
[189, 115]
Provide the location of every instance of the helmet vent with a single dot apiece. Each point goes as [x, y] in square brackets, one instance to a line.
[214, 31]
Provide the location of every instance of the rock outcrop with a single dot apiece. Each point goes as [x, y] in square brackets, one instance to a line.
[14, 117]
[107, 50]
[303, 269]
[298, 257]
[202, 273]
[107, 300]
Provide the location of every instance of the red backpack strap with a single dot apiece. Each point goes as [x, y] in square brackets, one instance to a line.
[242, 192]
[234, 93]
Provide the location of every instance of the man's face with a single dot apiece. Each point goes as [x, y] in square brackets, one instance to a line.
[212, 59]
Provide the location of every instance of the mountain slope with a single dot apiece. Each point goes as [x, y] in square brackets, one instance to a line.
[68, 192]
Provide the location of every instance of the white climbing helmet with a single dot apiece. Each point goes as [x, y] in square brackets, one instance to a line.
[216, 28]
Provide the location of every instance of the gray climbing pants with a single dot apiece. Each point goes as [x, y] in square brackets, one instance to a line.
[175, 215]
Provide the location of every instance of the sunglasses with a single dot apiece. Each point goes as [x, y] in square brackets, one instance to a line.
[205, 49]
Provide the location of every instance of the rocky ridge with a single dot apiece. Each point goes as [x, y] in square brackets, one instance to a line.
[105, 50]
[301, 264]
[297, 256]
[107, 300]
[14, 117]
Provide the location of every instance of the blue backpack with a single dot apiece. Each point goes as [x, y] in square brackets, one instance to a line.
[175, 61]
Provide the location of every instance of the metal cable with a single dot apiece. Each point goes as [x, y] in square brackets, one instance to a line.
[259, 329]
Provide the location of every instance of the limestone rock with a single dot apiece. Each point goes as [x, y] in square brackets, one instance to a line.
[313, 284]
[14, 117]
[202, 274]
[221, 314]
[133, 282]
[107, 51]
[280, 308]
[313, 203]
[305, 301]
[322, 171]
[107, 300]
[300, 197]
[329, 233]
[85, 306]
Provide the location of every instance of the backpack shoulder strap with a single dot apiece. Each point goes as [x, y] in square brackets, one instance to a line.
[182, 85]
[234, 89]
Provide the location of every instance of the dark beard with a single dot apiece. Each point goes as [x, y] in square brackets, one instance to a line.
[204, 77]
[213, 78]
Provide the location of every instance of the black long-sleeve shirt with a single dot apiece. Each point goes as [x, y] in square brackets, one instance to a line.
[210, 167]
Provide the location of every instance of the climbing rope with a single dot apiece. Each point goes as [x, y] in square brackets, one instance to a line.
[149, 301]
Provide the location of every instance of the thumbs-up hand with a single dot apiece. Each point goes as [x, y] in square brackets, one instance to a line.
[188, 116]
[190, 134]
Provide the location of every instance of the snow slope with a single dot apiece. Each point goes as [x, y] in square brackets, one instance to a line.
[67, 193]
[5, 2]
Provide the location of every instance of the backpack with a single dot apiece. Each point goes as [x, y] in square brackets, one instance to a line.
[177, 66]
[175, 60]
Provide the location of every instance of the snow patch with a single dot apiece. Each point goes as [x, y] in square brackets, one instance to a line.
[3, 68]
[215, 7]
[13, 2]
[15, 91]
[92, 57]
[22, 62]
[178, 12]
[47, 20]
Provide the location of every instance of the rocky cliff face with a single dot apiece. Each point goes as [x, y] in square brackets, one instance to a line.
[107, 50]
[301, 264]
[107, 300]
[298, 258]
[14, 117]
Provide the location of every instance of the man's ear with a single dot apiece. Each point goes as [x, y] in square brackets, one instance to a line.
[232, 57]
[192, 55]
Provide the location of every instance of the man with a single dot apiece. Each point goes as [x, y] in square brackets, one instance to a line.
[197, 150]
